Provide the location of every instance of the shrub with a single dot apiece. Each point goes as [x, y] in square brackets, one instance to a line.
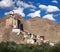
[13, 47]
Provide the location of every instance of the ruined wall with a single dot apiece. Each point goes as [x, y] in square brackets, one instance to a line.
[12, 21]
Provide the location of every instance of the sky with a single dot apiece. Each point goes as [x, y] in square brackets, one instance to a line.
[49, 9]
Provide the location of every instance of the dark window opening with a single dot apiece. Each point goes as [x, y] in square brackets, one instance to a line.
[20, 25]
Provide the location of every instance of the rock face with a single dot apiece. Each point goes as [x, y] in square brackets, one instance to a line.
[43, 27]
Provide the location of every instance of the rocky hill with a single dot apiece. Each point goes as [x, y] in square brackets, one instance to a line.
[43, 27]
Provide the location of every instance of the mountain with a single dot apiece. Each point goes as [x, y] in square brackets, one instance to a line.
[43, 27]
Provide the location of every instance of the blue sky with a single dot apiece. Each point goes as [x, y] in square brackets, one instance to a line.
[49, 9]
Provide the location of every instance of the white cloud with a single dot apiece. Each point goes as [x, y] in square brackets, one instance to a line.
[25, 5]
[54, 1]
[21, 6]
[52, 8]
[49, 8]
[43, 7]
[6, 3]
[36, 13]
[49, 16]
[32, 9]
[18, 11]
